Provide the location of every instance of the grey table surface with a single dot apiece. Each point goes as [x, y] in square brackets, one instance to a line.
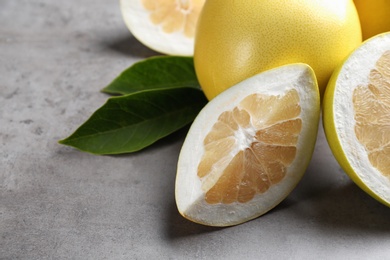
[59, 203]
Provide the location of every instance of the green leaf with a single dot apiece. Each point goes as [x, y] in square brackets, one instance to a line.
[155, 73]
[132, 122]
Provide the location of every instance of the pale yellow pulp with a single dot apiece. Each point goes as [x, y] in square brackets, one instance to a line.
[175, 15]
[372, 114]
[254, 143]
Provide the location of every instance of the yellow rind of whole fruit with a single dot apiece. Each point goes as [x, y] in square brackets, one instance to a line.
[374, 16]
[238, 39]
[356, 116]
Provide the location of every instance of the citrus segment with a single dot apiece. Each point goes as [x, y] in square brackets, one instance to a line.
[261, 145]
[166, 26]
[248, 147]
[357, 116]
[173, 15]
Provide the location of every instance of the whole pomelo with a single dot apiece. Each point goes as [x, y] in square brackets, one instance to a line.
[238, 39]
[374, 16]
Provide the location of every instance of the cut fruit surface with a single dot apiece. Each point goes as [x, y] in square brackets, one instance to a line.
[166, 26]
[249, 147]
[357, 116]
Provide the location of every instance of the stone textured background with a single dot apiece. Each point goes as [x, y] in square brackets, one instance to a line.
[59, 203]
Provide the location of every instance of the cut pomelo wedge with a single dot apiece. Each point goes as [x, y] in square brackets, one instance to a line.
[357, 116]
[249, 147]
[166, 26]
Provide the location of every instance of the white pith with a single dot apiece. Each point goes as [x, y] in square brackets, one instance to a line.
[189, 193]
[354, 72]
[245, 137]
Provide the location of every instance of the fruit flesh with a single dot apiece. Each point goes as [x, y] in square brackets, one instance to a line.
[372, 109]
[174, 15]
[250, 147]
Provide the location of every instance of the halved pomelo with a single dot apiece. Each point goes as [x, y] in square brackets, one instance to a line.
[249, 147]
[166, 26]
[357, 116]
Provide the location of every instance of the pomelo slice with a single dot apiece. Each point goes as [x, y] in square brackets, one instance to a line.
[166, 26]
[249, 147]
[357, 116]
